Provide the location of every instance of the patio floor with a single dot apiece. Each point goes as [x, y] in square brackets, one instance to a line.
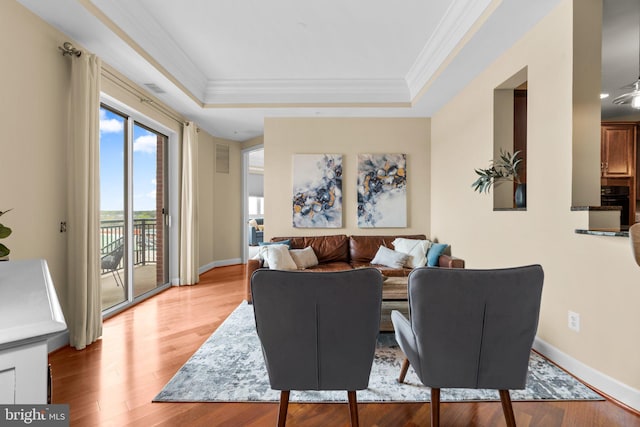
[144, 279]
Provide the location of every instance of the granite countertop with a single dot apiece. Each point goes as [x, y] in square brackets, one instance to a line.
[596, 208]
[621, 233]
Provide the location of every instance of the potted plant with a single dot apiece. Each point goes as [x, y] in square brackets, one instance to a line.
[4, 233]
[504, 168]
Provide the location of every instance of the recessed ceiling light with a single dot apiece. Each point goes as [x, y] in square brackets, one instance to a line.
[604, 95]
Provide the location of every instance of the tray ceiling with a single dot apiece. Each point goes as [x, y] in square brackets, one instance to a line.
[229, 64]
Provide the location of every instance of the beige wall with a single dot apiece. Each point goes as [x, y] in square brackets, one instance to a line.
[593, 276]
[258, 140]
[284, 137]
[34, 86]
[220, 204]
[587, 76]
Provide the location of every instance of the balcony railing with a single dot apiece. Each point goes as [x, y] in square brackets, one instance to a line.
[112, 235]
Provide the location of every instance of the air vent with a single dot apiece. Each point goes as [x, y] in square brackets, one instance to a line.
[222, 158]
[154, 88]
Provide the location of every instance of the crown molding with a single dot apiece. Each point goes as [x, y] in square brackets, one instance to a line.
[458, 20]
[155, 45]
[306, 91]
[155, 41]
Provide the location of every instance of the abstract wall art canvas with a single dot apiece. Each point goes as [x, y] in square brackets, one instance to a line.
[382, 190]
[317, 190]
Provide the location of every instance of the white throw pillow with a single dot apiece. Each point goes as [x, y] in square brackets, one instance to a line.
[277, 257]
[417, 250]
[389, 258]
[259, 257]
[304, 258]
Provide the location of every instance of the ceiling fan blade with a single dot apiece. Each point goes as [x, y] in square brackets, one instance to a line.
[635, 85]
[626, 98]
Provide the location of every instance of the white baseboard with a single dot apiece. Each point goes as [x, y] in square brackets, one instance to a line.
[58, 341]
[602, 382]
[220, 263]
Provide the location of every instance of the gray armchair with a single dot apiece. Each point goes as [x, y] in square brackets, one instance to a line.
[470, 329]
[318, 330]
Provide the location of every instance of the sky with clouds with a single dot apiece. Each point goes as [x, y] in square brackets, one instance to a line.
[112, 149]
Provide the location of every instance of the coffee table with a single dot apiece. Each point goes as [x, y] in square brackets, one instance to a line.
[394, 297]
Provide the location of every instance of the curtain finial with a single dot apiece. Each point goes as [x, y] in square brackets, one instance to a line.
[68, 49]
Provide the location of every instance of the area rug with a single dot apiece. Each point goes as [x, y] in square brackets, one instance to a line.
[229, 367]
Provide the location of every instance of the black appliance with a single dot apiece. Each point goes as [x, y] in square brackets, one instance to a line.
[616, 195]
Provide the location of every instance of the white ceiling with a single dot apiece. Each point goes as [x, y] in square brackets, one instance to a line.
[229, 64]
[620, 53]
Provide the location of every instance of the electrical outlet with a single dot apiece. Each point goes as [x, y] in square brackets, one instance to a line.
[63, 227]
[573, 321]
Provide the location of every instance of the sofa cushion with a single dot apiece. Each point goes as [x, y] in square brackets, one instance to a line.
[434, 253]
[364, 248]
[304, 258]
[390, 258]
[330, 266]
[277, 257]
[392, 272]
[327, 248]
[280, 242]
[415, 248]
[385, 271]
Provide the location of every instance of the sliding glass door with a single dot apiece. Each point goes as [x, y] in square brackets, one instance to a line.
[132, 202]
[148, 203]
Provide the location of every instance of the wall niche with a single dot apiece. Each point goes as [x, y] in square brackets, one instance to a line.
[510, 134]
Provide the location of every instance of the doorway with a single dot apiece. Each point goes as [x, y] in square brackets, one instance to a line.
[253, 199]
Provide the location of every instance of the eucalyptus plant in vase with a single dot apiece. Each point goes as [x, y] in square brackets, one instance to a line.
[503, 169]
[4, 233]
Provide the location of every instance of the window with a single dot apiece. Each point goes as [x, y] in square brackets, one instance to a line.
[256, 206]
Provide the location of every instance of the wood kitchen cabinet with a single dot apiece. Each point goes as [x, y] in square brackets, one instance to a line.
[618, 159]
[618, 150]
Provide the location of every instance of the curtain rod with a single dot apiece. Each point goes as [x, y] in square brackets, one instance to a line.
[141, 96]
[161, 110]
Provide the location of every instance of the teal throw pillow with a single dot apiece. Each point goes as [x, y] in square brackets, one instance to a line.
[434, 253]
[281, 242]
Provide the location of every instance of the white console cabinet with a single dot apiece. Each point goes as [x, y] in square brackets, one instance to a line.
[29, 314]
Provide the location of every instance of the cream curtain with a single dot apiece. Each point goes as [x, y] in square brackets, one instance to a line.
[83, 205]
[189, 207]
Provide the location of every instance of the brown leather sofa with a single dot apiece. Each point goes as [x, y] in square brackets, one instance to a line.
[342, 252]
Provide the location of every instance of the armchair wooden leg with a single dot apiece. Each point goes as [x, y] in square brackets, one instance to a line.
[435, 407]
[403, 370]
[507, 408]
[284, 405]
[353, 408]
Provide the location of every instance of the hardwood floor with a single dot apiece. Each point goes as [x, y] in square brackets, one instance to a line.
[112, 382]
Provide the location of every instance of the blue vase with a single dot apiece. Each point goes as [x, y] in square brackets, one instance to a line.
[521, 196]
